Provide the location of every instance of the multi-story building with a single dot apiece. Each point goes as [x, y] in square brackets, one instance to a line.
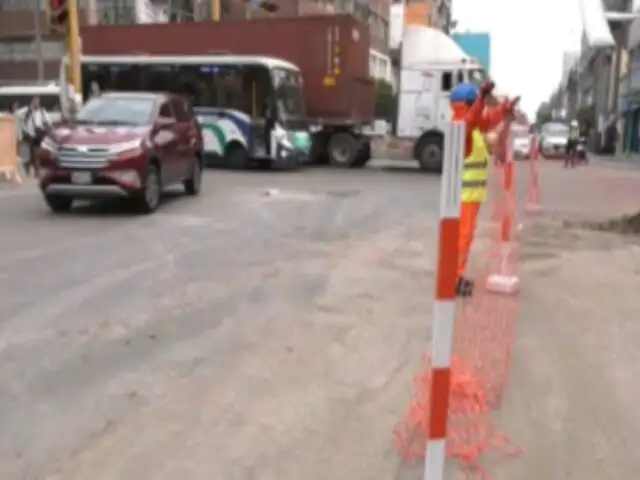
[432, 13]
[19, 51]
[598, 73]
[22, 57]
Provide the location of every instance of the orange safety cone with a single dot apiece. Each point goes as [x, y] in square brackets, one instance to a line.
[9, 160]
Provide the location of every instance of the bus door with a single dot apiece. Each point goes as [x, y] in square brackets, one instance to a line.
[257, 88]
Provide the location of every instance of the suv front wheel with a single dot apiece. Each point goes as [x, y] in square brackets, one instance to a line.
[150, 197]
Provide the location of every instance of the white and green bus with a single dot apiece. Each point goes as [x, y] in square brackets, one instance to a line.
[251, 108]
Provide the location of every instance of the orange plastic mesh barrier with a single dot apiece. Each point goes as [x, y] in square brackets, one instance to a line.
[483, 340]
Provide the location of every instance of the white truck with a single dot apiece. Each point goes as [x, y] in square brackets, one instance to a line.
[431, 64]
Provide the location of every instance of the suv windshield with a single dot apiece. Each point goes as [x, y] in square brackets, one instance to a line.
[518, 131]
[556, 129]
[289, 96]
[116, 111]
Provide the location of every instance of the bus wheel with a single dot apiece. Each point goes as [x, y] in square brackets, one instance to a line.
[237, 157]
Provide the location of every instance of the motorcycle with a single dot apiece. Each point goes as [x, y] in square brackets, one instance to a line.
[581, 151]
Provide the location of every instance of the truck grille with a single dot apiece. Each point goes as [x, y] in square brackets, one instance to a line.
[83, 157]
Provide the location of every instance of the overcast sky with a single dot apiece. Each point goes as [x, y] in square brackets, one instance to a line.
[528, 39]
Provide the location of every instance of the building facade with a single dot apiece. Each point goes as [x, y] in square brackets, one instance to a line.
[630, 93]
[432, 13]
[19, 51]
[22, 57]
[477, 45]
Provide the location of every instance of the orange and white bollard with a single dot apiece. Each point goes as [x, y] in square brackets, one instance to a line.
[445, 303]
[506, 280]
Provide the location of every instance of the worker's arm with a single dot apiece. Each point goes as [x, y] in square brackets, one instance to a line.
[492, 117]
[475, 114]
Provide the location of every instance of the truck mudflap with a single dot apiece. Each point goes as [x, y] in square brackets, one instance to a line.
[364, 154]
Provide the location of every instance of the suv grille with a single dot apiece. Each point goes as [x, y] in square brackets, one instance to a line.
[83, 157]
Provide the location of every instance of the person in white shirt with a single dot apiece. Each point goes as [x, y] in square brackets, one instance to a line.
[36, 125]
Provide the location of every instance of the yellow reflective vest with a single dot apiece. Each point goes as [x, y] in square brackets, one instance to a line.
[475, 171]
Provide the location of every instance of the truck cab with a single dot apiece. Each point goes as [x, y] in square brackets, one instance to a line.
[431, 64]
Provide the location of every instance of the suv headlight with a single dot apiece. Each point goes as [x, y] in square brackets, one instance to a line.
[126, 146]
[49, 145]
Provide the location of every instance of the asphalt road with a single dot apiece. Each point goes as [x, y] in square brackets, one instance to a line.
[245, 309]
[270, 329]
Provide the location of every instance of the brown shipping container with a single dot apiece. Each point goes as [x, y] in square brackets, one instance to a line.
[318, 45]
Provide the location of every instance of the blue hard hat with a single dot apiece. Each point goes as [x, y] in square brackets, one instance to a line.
[464, 92]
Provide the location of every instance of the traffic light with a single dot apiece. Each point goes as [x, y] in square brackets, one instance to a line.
[269, 7]
[57, 15]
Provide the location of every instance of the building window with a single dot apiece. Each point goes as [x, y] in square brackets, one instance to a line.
[24, 51]
[361, 11]
[21, 5]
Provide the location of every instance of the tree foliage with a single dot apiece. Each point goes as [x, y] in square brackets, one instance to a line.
[544, 113]
[385, 100]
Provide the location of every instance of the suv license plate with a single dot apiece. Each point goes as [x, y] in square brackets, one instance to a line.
[81, 178]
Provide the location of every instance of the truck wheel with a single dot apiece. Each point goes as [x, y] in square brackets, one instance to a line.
[430, 154]
[343, 150]
[364, 155]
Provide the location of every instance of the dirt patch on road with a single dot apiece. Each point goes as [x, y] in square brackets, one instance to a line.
[624, 225]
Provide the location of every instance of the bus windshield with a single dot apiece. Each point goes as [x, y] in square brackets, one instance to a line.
[288, 92]
[243, 86]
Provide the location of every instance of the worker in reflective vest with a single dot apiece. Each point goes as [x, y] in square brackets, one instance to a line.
[468, 104]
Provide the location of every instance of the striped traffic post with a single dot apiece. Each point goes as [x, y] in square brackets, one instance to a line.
[505, 280]
[444, 306]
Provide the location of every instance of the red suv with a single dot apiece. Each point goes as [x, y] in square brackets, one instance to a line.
[126, 145]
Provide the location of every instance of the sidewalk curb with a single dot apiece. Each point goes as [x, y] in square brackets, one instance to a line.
[618, 162]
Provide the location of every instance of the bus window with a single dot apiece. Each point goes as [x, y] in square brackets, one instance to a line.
[446, 82]
[243, 87]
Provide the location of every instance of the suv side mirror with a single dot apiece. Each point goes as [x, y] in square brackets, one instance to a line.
[164, 122]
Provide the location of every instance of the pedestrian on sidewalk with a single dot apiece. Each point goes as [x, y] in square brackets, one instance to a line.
[37, 124]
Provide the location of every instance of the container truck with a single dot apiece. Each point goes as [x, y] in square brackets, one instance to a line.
[331, 52]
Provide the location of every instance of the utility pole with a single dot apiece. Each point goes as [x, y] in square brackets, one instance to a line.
[73, 46]
[215, 10]
[37, 27]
